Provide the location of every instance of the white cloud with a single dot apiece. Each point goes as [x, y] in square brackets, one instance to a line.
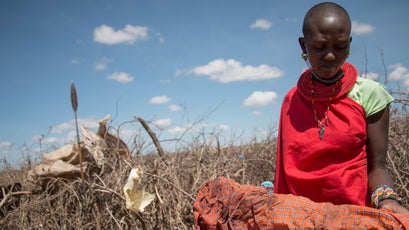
[162, 122]
[198, 128]
[177, 130]
[36, 138]
[74, 61]
[257, 113]
[68, 126]
[262, 24]
[360, 28]
[260, 99]
[65, 132]
[174, 107]
[91, 122]
[128, 133]
[399, 72]
[63, 127]
[5, 146]
[129, 34]
[372, 76]
[159, 100]
[120, 77]
[52, 140]
[224, 127]
[160, 38]
[179, 72]
[71, 136]
[231, 70]
[102, 64]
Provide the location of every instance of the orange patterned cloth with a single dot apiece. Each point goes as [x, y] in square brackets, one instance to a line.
[224, 204]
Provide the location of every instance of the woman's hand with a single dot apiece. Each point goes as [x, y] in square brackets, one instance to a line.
[393, 206]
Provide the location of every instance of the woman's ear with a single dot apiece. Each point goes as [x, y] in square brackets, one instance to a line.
[302, 44]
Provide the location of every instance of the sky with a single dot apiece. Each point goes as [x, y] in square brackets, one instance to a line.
[215, 67]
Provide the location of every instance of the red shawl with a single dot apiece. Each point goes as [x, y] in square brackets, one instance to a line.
[332, 169]
[224, 204]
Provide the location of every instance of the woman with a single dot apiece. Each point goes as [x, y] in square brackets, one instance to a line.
[333, 132]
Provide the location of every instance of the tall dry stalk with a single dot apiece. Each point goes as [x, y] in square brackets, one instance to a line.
[74, 103]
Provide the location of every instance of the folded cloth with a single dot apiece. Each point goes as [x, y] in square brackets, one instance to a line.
[224, 204]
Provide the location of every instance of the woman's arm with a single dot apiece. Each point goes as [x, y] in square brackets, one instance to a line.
[377, 146]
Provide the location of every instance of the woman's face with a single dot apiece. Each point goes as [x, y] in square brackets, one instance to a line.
[327, 44]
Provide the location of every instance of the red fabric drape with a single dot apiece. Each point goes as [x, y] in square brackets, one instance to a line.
[224, 204]
[332, 169]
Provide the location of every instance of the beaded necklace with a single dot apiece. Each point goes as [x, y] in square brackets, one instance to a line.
[322, 124]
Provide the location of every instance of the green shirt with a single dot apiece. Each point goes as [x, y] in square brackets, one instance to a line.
[371, 95]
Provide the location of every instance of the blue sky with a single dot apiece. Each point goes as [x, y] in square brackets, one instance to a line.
[169, 62]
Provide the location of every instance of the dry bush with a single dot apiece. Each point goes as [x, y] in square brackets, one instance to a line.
[177, 179]
[398, 153]
[99, 203]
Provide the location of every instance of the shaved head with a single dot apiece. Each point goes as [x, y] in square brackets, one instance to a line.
[327, 11]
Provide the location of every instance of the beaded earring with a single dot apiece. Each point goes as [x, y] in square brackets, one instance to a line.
[304, 56]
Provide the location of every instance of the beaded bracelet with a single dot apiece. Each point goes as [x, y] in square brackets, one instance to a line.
[384, 192]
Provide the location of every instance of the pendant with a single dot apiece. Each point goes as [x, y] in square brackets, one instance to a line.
[321, 131]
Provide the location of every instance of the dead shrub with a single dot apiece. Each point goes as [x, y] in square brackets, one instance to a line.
[98, 202]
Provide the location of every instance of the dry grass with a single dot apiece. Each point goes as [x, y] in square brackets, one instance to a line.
[99, 203]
